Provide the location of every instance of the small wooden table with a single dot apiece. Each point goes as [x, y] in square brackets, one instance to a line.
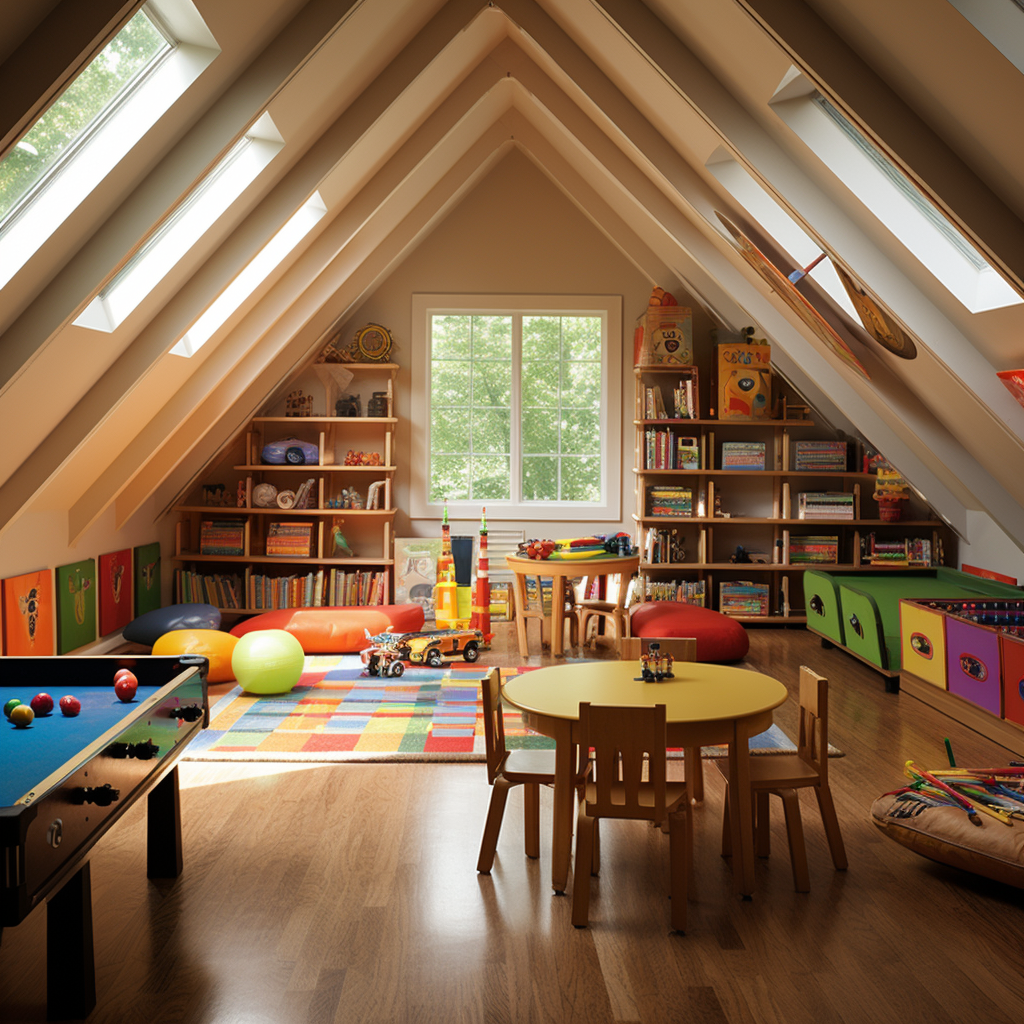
[560, 570]
[704, 705]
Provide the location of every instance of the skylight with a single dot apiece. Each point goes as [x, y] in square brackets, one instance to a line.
[79, 109]
[255, 273]
[101, 115]
[891, 197]
[189, 222]
[999, 21]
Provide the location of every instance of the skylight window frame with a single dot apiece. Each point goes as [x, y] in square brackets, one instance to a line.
[857, 165]
[179, 232]
[110, 137]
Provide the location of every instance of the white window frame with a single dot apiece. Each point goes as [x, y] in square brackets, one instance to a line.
[967, 277]
[196, 214]
[609, 309]
[72, 180]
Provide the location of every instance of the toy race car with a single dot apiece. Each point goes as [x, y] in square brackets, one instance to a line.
[290, 451]
[388, 651]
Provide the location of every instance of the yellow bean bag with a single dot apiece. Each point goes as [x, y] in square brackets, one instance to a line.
[213, 644]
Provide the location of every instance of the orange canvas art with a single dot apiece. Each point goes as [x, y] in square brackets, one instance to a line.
[28, 614]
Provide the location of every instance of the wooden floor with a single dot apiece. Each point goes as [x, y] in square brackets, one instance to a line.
[349, 893]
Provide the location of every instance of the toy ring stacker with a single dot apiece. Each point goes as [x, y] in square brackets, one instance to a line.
[286, 499]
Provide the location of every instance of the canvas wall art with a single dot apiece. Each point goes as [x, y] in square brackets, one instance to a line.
[147, 578]
[115, 591]
[76, 605]
[28, 614]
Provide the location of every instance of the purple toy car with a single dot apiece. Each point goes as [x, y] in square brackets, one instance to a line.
[290, 451]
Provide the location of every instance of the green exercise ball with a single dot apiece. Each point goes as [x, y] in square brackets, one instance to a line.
[267, 661]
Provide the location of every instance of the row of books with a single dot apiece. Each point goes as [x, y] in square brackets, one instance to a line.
[820, 456]
[662, 546]
[743, 598]
[643, 588]
[222, 537]
[259, 591]
[825, 505]
[683, 407]
[910, 551]
[743, 455]
[807, 550]
[664, 449]
[669, 501]
[290, 540]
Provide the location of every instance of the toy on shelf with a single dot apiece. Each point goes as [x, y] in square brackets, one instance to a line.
[290, 451]
[339, 546]
[354, 458]
[388, 651]
[372, 344]
[890, 490]
[217, 495]
[298, 403]
[664, 332]
[349, 406]
[655, 666]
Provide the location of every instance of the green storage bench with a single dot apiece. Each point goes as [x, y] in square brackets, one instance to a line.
[860, 610]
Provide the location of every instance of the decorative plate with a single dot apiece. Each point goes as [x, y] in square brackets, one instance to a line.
[374, 343]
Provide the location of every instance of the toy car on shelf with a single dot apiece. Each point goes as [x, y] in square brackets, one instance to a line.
[388, 651]
[290, 451]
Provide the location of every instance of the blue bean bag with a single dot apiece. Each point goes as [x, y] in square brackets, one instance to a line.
[149, 627]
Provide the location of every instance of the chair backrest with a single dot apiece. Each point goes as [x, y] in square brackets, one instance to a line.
[812, 739]
[682, 648]
[494, 724]
[623, 739]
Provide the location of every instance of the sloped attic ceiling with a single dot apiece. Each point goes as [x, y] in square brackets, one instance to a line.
[393, 109]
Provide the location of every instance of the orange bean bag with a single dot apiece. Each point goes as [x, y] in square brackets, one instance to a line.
[336, 630]
[214, 644]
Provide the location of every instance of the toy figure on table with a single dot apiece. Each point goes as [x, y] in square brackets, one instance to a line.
[655, 666]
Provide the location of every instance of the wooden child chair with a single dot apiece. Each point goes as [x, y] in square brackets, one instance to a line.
[505, 769]
[784, 774]
[622, 739]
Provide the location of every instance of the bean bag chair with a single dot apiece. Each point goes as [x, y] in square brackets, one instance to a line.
[213, 644]
[150, 626]
[719, 637]
[945, 835]
[336, 630]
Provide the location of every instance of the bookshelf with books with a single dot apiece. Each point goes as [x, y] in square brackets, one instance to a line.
[762, 500]
[312, 532]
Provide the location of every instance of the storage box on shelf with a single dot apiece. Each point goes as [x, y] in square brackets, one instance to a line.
[765, 497]
[312, 531]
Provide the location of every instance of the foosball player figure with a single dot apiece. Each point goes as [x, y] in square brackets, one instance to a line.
[655, 666]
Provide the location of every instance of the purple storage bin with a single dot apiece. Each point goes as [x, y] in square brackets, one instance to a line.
[972, 664]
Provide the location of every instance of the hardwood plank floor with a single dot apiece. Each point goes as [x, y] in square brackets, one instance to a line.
[348, 893]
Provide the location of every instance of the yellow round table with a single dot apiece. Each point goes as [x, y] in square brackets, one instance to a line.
[560, 570]
[704, 705]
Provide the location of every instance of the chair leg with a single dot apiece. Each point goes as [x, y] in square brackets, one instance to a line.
[762, 825]
[694, 774]
[680, 842]
[726, 827]
[795, 832]
[831, 823]
[581, 871]
[595, 856]
[495, 812]
[531, 818]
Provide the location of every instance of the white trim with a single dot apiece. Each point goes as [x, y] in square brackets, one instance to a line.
[608, 307]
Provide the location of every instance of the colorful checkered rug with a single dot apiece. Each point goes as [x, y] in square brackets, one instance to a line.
[335, 713]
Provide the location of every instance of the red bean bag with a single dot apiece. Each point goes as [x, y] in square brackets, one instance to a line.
[719, 637]
[336, 630]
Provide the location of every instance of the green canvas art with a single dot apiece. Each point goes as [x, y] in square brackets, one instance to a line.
[147, 578]
[76, 605]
